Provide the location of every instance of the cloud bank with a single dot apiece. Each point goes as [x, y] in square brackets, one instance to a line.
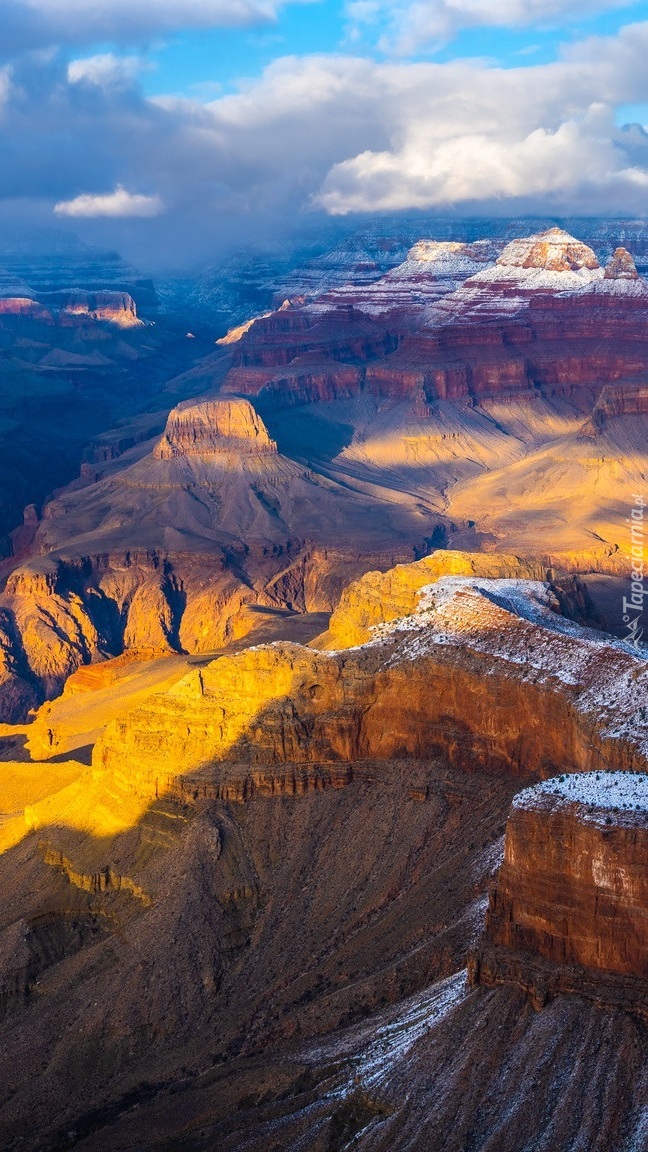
[28, 24]
[411, 25]
[114, 204]
[330, 133]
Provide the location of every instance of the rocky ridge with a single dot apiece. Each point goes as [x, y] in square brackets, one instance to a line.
[485, 672]
[424, 433]
[217, 510]
[524, 322]
[211, 806]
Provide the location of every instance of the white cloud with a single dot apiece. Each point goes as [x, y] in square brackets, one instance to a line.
[438, 136]
[106, 70]
[582, 158]
[117, 203]
[408, 25]
[5, 86]
[335, 133]
[30, 23]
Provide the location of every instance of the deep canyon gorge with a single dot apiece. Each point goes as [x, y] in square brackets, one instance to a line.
[323, 736]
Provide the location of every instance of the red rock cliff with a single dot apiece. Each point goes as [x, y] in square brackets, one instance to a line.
[572, 894]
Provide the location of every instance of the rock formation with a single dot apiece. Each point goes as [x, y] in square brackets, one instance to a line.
[378, 598]
[432, 420]
[568, 912]
[22, 306]
[482, 671]
[309, 835]
[620, 266]
[228, 428]
[115, 307]
[169, 553]
[245, 921]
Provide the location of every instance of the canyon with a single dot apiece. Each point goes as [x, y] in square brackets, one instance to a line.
[323, 743]
[491, 409]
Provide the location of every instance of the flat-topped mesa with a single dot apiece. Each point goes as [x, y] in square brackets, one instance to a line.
[451, 251]
[24, 306]
[570, 908]
[214, 428]
[115, 307]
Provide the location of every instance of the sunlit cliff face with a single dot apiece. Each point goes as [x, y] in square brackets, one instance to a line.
[447, 638]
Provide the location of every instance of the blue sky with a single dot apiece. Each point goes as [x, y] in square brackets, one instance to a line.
[201, 63]
[179, 130]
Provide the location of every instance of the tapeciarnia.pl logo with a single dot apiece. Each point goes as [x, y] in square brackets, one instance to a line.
[633, 605]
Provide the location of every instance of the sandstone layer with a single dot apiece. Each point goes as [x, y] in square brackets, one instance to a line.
[173, 551]
[568, 912]
[483, 673]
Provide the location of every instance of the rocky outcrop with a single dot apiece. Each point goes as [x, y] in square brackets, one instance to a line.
[66, 613]
[551, 251]
[115, 307]
[483, 673]
[620, 266]
[572, 894]
[305, 341]
[544, 315]
[619, 400]
[18, 692]
[380, 597]
[24, 306]
[214, 427]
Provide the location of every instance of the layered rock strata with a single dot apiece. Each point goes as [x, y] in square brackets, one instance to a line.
[483, 673]
[569, 911]
[543, 301]
[214, 427]
[170, 552]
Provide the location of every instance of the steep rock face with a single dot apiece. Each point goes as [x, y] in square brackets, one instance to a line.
[483, 672]
[544, 314]
[116, 307]
[23, 306]
[67, 308]
[17, 692]
[51, 631]
[214, 427]
[309, 341]
[63, 614]
[432, 269]
[552, 251]
[572, 891]
[284, 917]
[620, 400]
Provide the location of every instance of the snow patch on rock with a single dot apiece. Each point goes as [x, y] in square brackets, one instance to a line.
[608, 791]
